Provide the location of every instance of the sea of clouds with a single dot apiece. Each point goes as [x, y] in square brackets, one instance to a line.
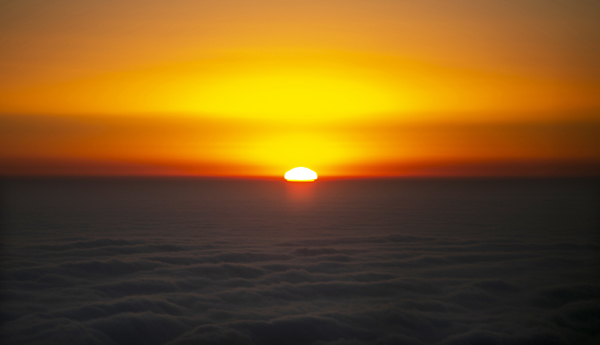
[132, 277]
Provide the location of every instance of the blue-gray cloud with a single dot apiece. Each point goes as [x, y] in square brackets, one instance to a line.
[275, 276]
[361, 290]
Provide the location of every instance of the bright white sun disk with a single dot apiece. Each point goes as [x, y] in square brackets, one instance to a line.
[301, 174]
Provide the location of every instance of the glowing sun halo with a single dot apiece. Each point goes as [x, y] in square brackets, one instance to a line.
[301, 175]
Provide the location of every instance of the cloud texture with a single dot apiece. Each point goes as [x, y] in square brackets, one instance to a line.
[356, 286]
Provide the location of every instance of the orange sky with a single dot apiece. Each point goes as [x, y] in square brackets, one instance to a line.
[254, 88]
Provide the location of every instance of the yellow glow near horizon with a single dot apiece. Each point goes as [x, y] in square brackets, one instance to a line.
[295, 94]
[279, 147]
[301, 174]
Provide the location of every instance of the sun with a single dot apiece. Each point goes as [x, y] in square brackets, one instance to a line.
[301, 174]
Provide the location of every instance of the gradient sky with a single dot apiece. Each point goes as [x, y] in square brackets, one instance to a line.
[254, 88]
